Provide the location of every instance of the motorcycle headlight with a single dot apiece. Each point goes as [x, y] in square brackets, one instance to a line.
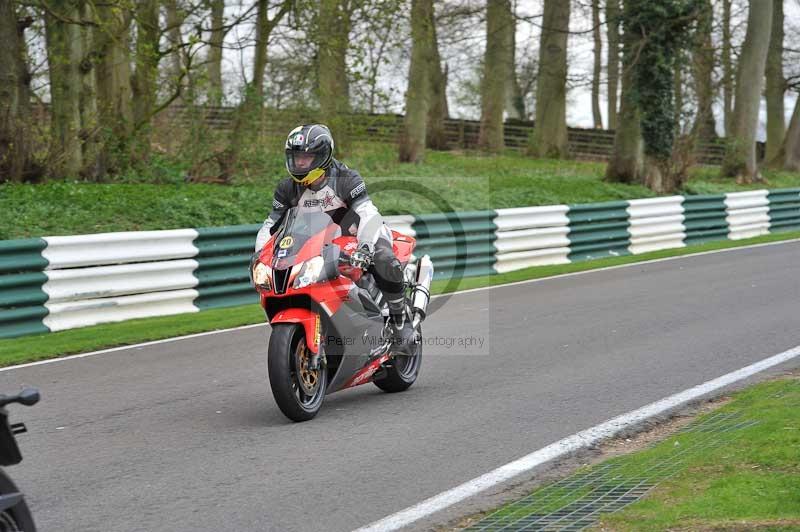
[261, 275]
[310, 272]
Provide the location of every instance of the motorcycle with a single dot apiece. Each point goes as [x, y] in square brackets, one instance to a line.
[330, 323]
[14, 513]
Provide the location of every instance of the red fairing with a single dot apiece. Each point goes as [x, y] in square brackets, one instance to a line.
[366, 373]
[308, 319]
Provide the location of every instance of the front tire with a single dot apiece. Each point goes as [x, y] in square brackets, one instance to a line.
[402, 371]
[298, 391]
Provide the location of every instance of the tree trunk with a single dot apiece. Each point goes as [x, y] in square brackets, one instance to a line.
[333, 86]
[727, 67]
[776, 85]
[419, 93]
[436, 137]
[16, 146]
[113, 80]
[704, 128]
[90, 128]
[263, 29]
[496, 73]
[598, 65]
[174, 20]
[214, 59]
[788, 156]
[515, 103]
[677, 92]
[64, 56]
[740, 156]
[612, 20]
[626, 164]
[144, 82]
[145, 78]
[549, 138]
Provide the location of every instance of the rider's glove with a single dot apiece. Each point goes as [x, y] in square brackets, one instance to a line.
[361, 258]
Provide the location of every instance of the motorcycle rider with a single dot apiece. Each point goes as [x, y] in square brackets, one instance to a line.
[319, 182]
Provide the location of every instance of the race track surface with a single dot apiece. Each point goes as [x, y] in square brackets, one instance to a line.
[185, 436]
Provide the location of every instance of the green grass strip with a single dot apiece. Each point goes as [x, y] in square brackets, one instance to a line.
[734, 468]
[38, 347]
[750, 482]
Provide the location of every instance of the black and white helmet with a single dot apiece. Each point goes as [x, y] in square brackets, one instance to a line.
[309, 152]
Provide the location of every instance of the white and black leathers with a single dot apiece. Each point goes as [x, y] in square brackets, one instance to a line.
[342, 194]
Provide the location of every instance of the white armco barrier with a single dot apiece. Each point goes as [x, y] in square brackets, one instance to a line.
[656, 223]
[748, 213]
[123, 279]
[118, 248]
[531, 236]
[71, 314]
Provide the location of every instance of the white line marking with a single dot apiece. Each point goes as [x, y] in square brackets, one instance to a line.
[132, 346]
[567, 445]
[460, 292]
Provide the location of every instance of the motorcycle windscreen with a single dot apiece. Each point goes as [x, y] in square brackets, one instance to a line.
[302, 237]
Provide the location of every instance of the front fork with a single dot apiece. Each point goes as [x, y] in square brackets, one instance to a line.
[312, 325]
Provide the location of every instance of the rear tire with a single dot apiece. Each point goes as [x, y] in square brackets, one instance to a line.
[402, 371]
[17, 518]
[287, 350]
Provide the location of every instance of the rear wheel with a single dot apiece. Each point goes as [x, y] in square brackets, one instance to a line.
[298, 390]
[401, 370]
[16, 518]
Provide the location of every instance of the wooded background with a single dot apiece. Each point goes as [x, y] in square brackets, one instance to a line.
[90, 89]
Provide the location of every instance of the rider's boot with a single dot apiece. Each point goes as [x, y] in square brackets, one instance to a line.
[403, 334]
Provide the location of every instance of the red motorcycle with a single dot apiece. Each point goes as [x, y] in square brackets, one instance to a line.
[330, 324]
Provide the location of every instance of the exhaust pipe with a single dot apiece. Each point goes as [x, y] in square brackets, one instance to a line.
[421, 295]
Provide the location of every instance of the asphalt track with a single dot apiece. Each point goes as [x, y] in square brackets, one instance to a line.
[185, 436]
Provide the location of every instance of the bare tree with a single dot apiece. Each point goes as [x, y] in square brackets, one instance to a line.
[419, 92]
[496, 73]
[788, 157]
[145, 78]
[549, 138]
[16, 147]
[598, 64]
[740, 156]
[776, 84]
[436, 138]
[612, 21]
[727, 66]
[626, 164]
[334, 22]
[113, 79]
[214, 59]
[704, 128]
[64, 57]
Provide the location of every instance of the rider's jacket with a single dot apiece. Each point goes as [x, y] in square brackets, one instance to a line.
[342, 195]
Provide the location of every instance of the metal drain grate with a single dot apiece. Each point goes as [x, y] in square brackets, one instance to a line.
[576, 502]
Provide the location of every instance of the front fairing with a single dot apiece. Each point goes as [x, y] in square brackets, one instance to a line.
[302, 246]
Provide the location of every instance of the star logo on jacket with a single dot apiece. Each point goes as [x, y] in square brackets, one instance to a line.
[327, 201]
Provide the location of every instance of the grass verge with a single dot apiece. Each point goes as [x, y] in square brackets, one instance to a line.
[52, 345]
[750, 482]
[732, 468]
[157, 197]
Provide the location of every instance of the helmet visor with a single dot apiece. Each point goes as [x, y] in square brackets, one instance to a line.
[301, 162]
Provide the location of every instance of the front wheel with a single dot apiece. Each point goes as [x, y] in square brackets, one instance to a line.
[16, 518]
[298, 390]
[402, 370]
